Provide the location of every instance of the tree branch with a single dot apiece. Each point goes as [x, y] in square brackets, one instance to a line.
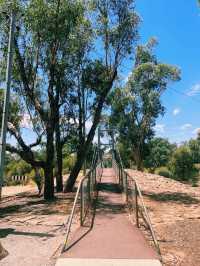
[28, 90]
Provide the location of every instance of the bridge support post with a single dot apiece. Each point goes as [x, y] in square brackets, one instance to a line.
[136, 207]
[82, 205]
[126, 187]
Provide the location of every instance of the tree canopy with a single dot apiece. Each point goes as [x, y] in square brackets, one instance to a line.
[136, 107]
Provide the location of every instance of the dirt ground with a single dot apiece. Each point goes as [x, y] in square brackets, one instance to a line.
[175, 213]
[31, 229]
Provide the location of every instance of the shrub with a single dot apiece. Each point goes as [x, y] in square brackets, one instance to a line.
[68, 163]
[163, 171]
[159, 151]
[181, 164]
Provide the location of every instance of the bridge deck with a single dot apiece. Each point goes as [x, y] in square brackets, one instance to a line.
[113, 236]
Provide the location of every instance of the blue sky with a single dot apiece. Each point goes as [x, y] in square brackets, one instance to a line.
[176, 25]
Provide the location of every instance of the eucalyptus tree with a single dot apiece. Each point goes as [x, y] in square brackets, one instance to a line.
[115, 31]
[67, 55]
[160, 151]
[137, 106]
[42, 49]
[15, 128]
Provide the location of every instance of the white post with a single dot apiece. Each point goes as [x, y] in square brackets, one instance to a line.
[6, 100]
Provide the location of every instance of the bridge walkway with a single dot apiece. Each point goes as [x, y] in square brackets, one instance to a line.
[113, 238]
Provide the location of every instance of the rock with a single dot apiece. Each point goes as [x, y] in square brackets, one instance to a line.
[3, 252]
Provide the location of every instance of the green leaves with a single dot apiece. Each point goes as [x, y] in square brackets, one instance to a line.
[117, 28]
[137, 106]
[159, 153]
[181, 164]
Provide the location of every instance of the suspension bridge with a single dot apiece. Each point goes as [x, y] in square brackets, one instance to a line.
[111, 210]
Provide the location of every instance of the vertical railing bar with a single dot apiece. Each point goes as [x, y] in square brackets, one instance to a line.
[126, 186]
[148, 218]
[136, 207]
[82, 204]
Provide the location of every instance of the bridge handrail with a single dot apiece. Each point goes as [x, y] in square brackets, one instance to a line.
[148, 219]
[121, 173]
[92, 173]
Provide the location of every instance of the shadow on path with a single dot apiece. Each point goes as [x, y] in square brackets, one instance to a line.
[109, 187]
[5, 232]
[173, 197]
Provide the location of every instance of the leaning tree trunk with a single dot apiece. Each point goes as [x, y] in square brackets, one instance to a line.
[83, 150]
[59, 159]
[82, 153]
[48, 170]
[76, 169]
[138, 159]
[3, 252]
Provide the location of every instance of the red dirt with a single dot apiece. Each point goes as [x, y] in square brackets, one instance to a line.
[175, 214]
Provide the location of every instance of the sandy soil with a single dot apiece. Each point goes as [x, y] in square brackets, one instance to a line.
[175, 213]
[14, 190]
[32, 229]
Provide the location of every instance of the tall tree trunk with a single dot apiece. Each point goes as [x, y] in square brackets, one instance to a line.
[138, 159]
[59, 159]
[76, 169]
[38, 179]
[49, 179]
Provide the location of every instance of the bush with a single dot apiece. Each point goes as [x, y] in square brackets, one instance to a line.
[68, 163]
[163, 171]
[181, 164]
[17, 167]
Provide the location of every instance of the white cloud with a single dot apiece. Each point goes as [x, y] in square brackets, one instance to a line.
[176, 111]
[186, 126]
[160, 128]
[194, 90]
[196, 131]
[26, 121]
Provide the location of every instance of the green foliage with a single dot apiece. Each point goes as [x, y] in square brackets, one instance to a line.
[136, 107]
[181, 164]
[17, 167]
[68, 163]
[159, 153]
[125, 152]
[163, 171]
[194, 146]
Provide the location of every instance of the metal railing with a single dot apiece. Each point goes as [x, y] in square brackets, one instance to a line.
[134, 197]
[85, 195]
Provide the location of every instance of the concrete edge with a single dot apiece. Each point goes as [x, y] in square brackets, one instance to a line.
[107, 262]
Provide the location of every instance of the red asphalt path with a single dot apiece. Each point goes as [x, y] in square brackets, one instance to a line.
[113, 236]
